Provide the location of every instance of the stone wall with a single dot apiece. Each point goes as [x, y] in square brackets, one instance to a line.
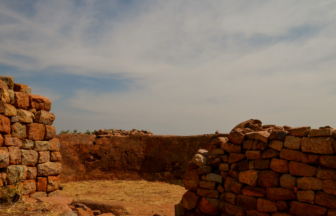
[29, 152]
[263, 170]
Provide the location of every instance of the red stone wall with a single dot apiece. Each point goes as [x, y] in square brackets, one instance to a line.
[29, 152]
[263, 170]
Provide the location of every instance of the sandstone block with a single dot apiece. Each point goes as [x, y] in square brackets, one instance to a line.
[278, 135]
[35, 131]
[270, 153]
[256, 213]
[16, 173]
[280, 194]
[288, 154]
[4, 157]
[207, 184]
[299, 131]
[306, 196]
[231, 148]
[224, 174]
[230, 209]
[246, 202]
[220, 189]
[329, 186]
[44, 156]
[54, 144]
[203, 152]
[191, 175]
[9, 80]
[318, 145]
[328, 161]
[253, 155]
[38, 194]
[29, 186]
[31, 173]
[219, 140]
[251, 164]
[25, 116]
[282, 205]
[243, 165]
[292, 142]
[42, 146]
[232, 185]
[224, 167]
[288, 181]
[224, 158]
[326, 132]
[326, 173]
[229, 197]
[49, 168]
[254, 191]
[209, 206]
[215, 152]
[15, 119]
[39, 102]
[207, 193]
[204, 170]
[55, 156]
[14, 155]
[326, 200]
[279, 165]
[19, 130]
[297, 208]
[268, 178]
[234, 157]
[199, 160]
[236, 137]
[54, 183]
[309, 183]
[5, 125]
[301, 169]
[29, 157]
[12, 141]
[265, 205]
[7, 109]
[249, 177]
[259, 136]
[4, 96]
[27, 144]
[46, 118]
[190, 184]
[261, 164]
[213, 160]
[276, 145]
[41, 184]
[214, 177]
[247, 144]
[331, 212]
[21, 100]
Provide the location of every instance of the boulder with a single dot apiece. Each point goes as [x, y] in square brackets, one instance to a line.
[207, 184]
[54, 144]
[214, 177]
[4, 96]
[326, 173]
[261, 164]
[190, 184]
[42, 183]
[27, 144]
[270, 153]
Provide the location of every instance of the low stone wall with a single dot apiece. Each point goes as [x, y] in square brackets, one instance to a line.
[128, 157]
[262, 171]
[29, 152]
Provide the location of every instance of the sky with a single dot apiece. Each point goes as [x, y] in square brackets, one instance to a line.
[174, 67]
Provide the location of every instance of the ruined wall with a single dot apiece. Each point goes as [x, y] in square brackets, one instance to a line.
[128, 157]
[262, 171]
[29, 153]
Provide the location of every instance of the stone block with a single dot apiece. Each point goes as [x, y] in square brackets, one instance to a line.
[42, 183]
[204, 170]
[326, 132]
[12, 141]
[4, 96]
[191, 175]
[329, 186]
[297, 208]
[29, 186]
[213, 160]
[39, 102]
[29, 157]
[289, 154]
[306, 196]
[15, 119]
[280, 194]
[251, 164]
[55, 156]
[7, 109]
[27, 144]
[19, 130]
[38, 194]
[292, 142]
[190, 184]
[256, 213]
[42, 146]
[207, 184]
[299, 131]
[270, 153]
[5, 125]
[253, 155]
[14, 155]
[215, 152]
[232, 185]
[31, 173]
[54, 144]
[246, 202]
[49, 169]
[326, 200]
[224, 167]
[278, 135]
[318, 145]
[331, 212]
[220, 189]
[247, 144]
[276, 145]
[11, 96]
[265, 205]
[214, 177]
[230, 209]
[56, 193]
[9, 80]
[328, 161]
[254, 191]
[36, 131]
[282, 205]
[309, 183]
[231, 148]
[44, 117]
[288, 181]
[4, 157]
[224, 158]
[207, 193]
[236, 137]
[21, 100]
[209, 206]
[301, 169]
[235, 157]
[229, 197]
[25, 116]
[44, 156]
[249, 177]
[259, 136]
[268, 178]
[261, 164]
[54, 183]
[243, 165]
[199, 160]
[279, 165]
[16, 173]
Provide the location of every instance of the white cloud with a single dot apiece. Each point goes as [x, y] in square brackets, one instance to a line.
[200, 65]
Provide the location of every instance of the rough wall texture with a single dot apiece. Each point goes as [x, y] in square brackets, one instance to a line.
[128, 157]
[29, 151]
[262, 171]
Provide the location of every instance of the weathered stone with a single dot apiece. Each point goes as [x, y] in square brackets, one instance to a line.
[15, 119]
[54, 144]
[207, 184]
[54, 183]
[215, 152]
[253, 155]
[224, 158]
[289, 154]
[29, 186]
[49, 168]
[219, 140]
[199, 160]
[29, 157]
[14, 155]
[251, 164]
[256, 213]
[214, 177]
[203, 152]
[5, 125]
[249, 177]
[259, 136]
[12, 141]
[247, 202]
[38, 194]
[191, 175]
[224, 167]
[42, 183]
[4, 96]
[326, 173]
[31, 173]
[329, 186]
[7, 109]
[326, 200]
[279, 165]
[299, 131]
[232, 185]
[9, 80]
[328, 161]
[19, 130]
[228, 197]
[21, 100]
[309, 183]
[42, 146]
[276, 144]
[36, 131]
[44, 117]
[231, 148]
[297, 208]
[268, 178]
[327, 132]
[280, 194]
[254, 191]
[27, 144]
[288, 181]
[220, 189]
[57, 193]
[39, 102]
[213, 160]
[318, 145]
[44, 156]
[247, 144]
[292, 142]
[190, 184]
[204, 170]
[224, 174]
[25, 116]
[243, 165]
[270, 153]
[265, 205]
[261, 164]
[236, 137]
[306, 196]
[233, 172]
[209, 206]
[4, 157]
[11, 96]
[234, 157]
[207, 193]
[282, 205]
[192, 166]
[16, 173]
[230, 209]
[301, 169]
[331, 212]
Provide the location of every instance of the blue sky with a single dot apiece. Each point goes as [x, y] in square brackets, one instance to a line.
[174, 67]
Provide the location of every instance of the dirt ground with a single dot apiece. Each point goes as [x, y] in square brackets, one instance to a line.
[138, 197]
